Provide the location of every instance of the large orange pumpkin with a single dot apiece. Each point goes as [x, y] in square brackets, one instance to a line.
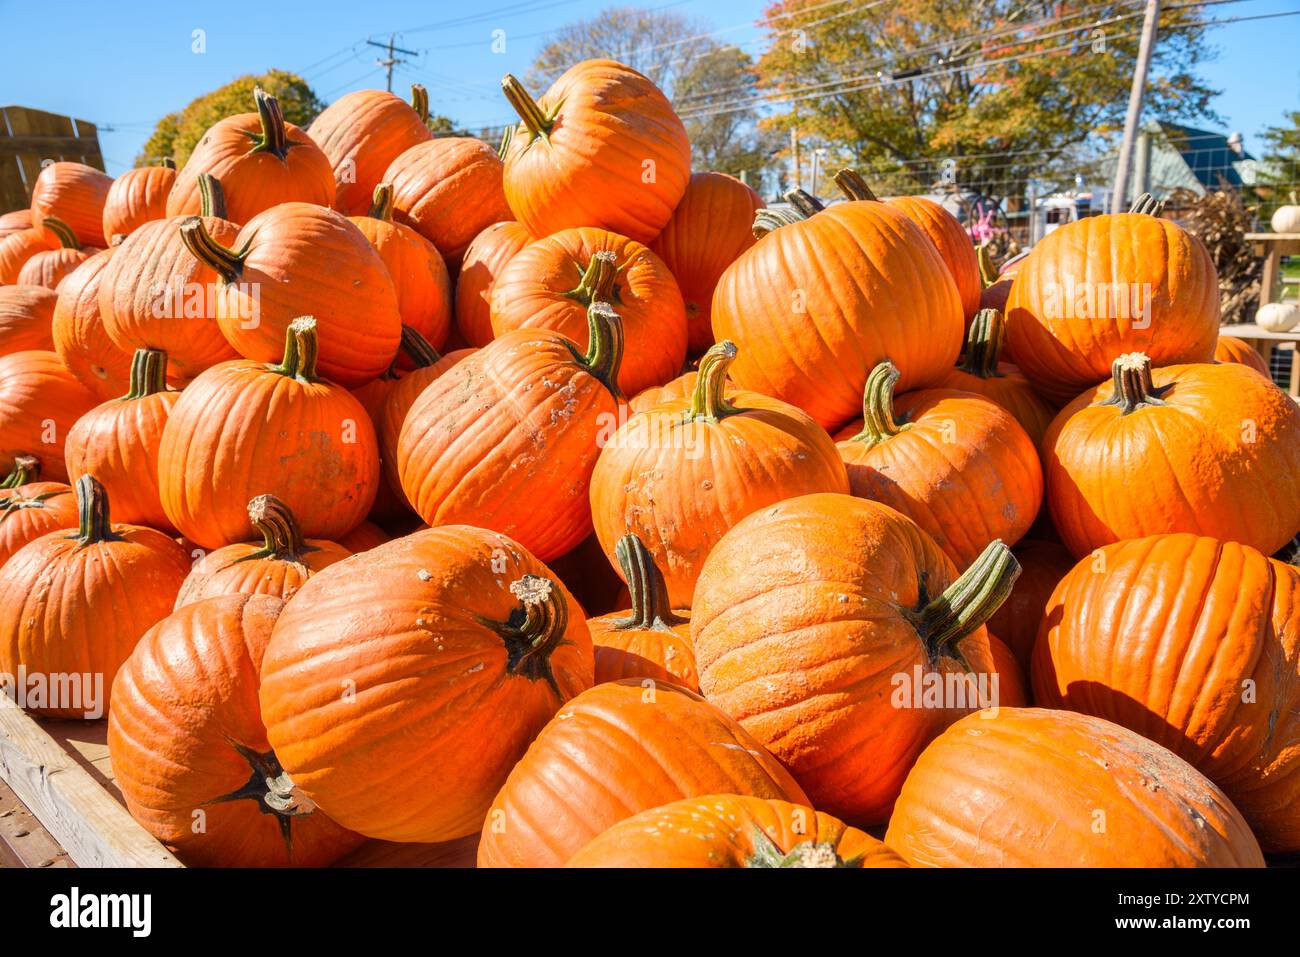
[1108, 285]
[117, 442]
[1208, 448]
[649, 640]
[839, 635]
[244, 428]
[826, 295]
[26, 318]
[709, 229]
[361, 133]
[1232, 349]
[955, 463]
[618, 749]
[680, 475]
[952, 241]
[1194, 644]
[155, 294]
[18, 247]
[136, 197]
[261, 161]
[75, 194]
[299, 259]
[1024, 787]
[484, 259]
[386, 668]
[508, 437]
[602, 147]
[277, 566]
[39, 402]
[48, 267]
[80, 339]
[550, 283]
[75, 603]
[188, 744]
[30, 508]
[733, 830]
[448, 190]
[1042, 566]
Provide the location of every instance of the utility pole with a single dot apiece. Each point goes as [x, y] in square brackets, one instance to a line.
[390, 61]
[796, 172]
[1146, 46]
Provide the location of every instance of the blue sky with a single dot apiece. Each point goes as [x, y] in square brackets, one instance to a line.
[99, 62]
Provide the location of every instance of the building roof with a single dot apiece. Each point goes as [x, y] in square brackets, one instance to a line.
[1208, 156]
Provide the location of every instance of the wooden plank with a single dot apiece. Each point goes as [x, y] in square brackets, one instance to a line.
[86, 820]
[1252, 333]
[24, 842]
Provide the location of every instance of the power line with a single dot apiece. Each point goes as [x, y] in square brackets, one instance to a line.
[391, 61]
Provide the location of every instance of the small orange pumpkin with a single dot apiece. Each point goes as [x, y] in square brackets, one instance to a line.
[80, 339]
[30, 508]
[1232, 349]
[73, 193]
[40, 400]
[137, 197]
[484, 260]
[26, 318]
[48, 267]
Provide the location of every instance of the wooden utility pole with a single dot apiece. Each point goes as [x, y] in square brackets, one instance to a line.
[1146, 47]
[390, 61]
[796, 172]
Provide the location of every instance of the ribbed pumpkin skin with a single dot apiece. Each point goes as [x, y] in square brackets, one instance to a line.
[591, 169]
[709, 229]
[1064, 347]
[531, 292]
[484, 259]
[39, 402]
[136, 197]
[18, 247]
[48, 268]
[241, 430]
[15, 222]
[401, 626]
[507, 440]
[1042, 566]
[393, 408]
[828, 577]
[1030, 788]
[32, 510]
[364, 537]
[721, 830]
[866, 285]
[448, 190]
[68, 609]
[80, 339]
[232, 570]
[252, 182]
[1195, 644]
[1012, 391]
[419, 277]
[154, 294]
[680, 388]
[26, 318]
[965, 471]
[953, 243]
[1232, 349]
[681, 485]
[74, 193]
[1013, 685]
[618, 749]
[308, 261]
[1189, 459]
[361, 133]
[181, 702]
[663, 655]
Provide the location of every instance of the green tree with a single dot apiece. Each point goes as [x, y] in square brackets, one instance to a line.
[1279, 171]
[176, 133]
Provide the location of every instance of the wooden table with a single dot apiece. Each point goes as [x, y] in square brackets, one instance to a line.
[1272, 247]
[1264, 342]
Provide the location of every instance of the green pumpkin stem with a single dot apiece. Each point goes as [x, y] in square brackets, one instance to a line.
[300, 349]
[67, 238]
[539, 123]
[798, 206]
[27, 468]
[597, 281]
[878, 422]
[167, 163]
[281, 534]
[988, 271]
[420, 102]
[535, 628]
[212, 198]
[1134, 387]
[854, 187]
[604, 356]
[93, 522]
[984, 342]
[967, 603]
[507, 137]
[381, 204]
[274, 137]
[765, 853]
[148, 374]
[271, 788]
[418, 348]
[709, 402]
[226, 263]
[651, 610]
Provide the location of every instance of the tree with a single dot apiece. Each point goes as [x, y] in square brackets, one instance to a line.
[176, 133]
[917, 92]
[1279, 174]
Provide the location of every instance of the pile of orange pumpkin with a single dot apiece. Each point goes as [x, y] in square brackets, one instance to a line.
[402, 488]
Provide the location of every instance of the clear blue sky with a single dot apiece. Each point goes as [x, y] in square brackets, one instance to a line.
[127, 64]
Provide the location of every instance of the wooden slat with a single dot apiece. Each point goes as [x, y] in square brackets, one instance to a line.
[73, 806]
[24, 841]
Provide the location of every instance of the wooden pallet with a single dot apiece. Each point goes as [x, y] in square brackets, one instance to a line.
[61, 775]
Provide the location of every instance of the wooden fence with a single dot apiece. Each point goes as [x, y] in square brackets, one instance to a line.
[29, 138]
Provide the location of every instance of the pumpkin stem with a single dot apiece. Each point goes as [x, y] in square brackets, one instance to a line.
[507, 137]
[418, 348]
[273, 139]
[539, 123]
[274, 792]
[67, 238]
[148, 374]
[596, 284]
[988, 271]
[300, 348]
[381, 205]
[212, 198]
[853, 186]
[167, 163]
[798, 206]
[534, 629]
[93, 522]
[1148, 205]
[984, 342]
[1288, 554]
[651, 610]
[604, 356]
[967, 603]
[878, 422]
[281, 533]
[1134, 388]
[226, 263]
[27, 468]
[709, 402]
[420, 102]
[765, 853]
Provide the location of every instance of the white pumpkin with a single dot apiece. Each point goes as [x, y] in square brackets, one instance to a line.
[1286, 219]
[1278, 316]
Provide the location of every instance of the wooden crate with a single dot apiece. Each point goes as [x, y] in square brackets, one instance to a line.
[62, 774]
[28, 138]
